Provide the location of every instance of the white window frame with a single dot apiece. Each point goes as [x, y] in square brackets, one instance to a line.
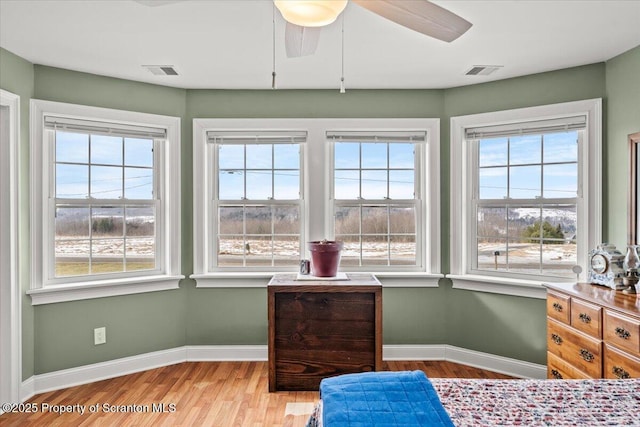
[317, 182]
[10, 295]
[462, 168]
[45, 290]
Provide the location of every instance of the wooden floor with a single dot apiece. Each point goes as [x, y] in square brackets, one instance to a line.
[193, 394]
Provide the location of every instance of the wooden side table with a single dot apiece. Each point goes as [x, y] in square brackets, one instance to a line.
[319, 329]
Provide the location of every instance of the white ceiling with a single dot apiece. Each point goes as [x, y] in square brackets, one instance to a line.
[229, 45]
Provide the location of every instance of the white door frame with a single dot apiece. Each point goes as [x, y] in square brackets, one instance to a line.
[10, 304]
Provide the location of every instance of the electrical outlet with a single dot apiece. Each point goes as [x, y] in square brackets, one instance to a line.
[99, 336]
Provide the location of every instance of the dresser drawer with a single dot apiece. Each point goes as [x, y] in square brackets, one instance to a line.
[622, 331]
[586, 317]
[576, 348]
[558, 369]
[559, 307]
[618, 364]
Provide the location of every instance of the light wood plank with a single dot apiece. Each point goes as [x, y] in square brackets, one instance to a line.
[204, 393]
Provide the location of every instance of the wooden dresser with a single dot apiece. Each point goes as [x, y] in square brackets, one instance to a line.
[319, 329]
[592, 332]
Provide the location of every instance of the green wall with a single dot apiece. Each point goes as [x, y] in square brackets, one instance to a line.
[499, 324]
[58, 336]
[136, 324]
[623, 118]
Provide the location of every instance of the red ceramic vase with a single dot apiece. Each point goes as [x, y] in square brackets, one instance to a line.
[325, 258]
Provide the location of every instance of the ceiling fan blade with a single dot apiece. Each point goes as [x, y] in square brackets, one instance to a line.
[300, 41]
[421, 16]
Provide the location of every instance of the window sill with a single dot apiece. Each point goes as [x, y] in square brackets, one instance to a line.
[103, 288]
[261, 279]
[499, 285]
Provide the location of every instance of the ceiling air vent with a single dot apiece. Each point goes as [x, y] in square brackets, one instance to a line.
[161, 70]
[482, 70]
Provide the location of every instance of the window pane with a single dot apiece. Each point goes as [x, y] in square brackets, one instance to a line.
[286, 250]
[492, 223]
[374, 155]
[561, 147]
[259, 156]
[140, 221]
[71, 257]
[72, 181]
[493, 183]
[107, 255]
[374, 220]
[258, 220]
[402, 220]
[286, 185]
[138, 183]
[524, 256]
[72, 222]
[347, 155]
[520, 219]
[287, 221]
[106, 182]
[402, 250]
[375, 250]
[560, 181]
[347, 220]
[562, 221]
[347, 184]
[231, 251]
[524, 182]
[286, 156]
[107, 222]
[230, 220]
[231, 156]
[259, 185]
[350, 255]
[401, 185]
[401, 156]
[491, 253]
[230, 185]
[140, 254]
[72, 147]
[493, 152]
[106, 150]
[138, 152]
[525, 149]
[259, 251]
[374, 184]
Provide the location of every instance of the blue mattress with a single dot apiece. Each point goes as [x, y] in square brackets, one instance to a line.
[381, 399]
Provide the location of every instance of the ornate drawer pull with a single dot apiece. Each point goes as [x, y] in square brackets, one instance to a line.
[586, 355]
[556, 339]
[557, 306]
[620, 373]
[623, 333]
[555, 374]
[585, 318]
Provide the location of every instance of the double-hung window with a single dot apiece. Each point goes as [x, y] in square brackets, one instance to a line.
[257, 199]
[265, 188]
[104, 205]
[525, 193]
[377, 198]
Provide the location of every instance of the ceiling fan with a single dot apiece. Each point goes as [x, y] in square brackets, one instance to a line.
[305, 18]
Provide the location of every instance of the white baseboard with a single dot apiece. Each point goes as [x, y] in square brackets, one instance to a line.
[213, 353]
[226, 353]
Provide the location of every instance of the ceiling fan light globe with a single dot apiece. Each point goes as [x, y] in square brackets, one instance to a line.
[310, 13]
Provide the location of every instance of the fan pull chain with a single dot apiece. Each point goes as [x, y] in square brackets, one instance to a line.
[273, 73]
[342, 89]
